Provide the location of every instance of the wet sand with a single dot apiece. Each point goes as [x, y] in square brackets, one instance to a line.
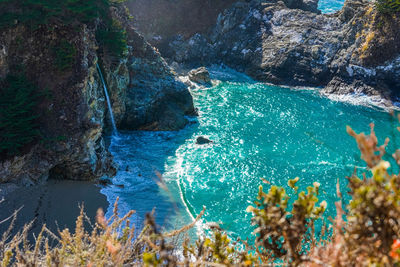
[55, 203]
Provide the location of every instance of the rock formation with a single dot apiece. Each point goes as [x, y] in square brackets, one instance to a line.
[355, 50]
[201, 140]
[200, 76]
[73, 118]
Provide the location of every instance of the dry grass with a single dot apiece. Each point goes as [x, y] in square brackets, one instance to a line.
[368, 236]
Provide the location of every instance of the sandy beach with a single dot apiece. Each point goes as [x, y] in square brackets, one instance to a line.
[55, 203]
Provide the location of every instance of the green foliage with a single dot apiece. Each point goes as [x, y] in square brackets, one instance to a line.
[65, 54]
[284, 230]
[113, 39]
[388, 6]
[34, 13]
[280, 230]
[17, 120]
[374, 211]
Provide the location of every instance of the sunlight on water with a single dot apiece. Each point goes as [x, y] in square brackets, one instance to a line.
[259, 131]
[330, 6]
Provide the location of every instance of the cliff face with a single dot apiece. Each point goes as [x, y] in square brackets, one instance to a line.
[70, 117]
[145, 92]
[164, 18]
[352, 51]
[73, 114]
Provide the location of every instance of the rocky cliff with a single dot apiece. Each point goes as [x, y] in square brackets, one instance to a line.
[144, 90]
[72, 114]
[355, 50]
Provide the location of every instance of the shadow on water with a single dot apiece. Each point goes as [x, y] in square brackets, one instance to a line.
[140, 156]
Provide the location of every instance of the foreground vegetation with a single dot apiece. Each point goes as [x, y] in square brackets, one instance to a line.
[285, 230]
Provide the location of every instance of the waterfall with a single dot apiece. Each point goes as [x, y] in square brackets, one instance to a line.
[108, 100]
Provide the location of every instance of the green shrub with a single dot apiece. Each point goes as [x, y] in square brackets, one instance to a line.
[284, 230]
[35, 13]
[388, 6]
[113, 39]
[17, 114]
[65, 54]
[281, 231]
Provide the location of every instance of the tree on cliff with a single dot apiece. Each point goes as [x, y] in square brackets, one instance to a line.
[388, 6]
[36, 13]
[17, 116]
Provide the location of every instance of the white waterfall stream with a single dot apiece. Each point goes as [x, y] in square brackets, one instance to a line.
[115, 131]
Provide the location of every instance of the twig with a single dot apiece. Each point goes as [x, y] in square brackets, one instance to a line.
[186, 227]
[12, 215]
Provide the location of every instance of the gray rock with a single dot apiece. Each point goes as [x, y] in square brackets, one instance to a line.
[201, 140]
[282, 42]
[200, 76]
[145, 91]
[105, 182]
[306, 5]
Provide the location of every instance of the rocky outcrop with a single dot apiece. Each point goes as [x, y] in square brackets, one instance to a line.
[200, 76]
[70, 117]
[201, 140]
[306, 5]
[144, 90]
[73, 119]
[160, 20]
[290, 43]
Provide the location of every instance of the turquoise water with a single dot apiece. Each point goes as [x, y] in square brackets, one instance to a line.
[330, 6]
[259, 131]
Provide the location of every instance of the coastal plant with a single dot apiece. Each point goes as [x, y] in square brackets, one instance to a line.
[34, 14]
[65, 54]
[282, 231]
[366, 233]
[112, 38]
[18, 101]
[374, 211]
[369, 236]
[388, 6]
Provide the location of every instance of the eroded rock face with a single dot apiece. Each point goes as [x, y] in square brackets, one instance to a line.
[145, 94]
[289, 43]
[70, 119]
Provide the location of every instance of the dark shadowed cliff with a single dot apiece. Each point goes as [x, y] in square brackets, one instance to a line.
[71, 113]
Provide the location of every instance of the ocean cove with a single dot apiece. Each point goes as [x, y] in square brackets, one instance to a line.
[258, 131]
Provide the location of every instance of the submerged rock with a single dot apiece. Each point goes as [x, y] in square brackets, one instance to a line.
[201, 140]
[200, 76]
[105, 182]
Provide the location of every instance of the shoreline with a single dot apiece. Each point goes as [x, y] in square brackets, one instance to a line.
[353, 98]
[51, 201]
[55, 203]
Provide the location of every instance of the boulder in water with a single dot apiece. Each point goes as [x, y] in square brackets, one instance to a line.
[104, 182]
[200, 76]
[201, 140]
